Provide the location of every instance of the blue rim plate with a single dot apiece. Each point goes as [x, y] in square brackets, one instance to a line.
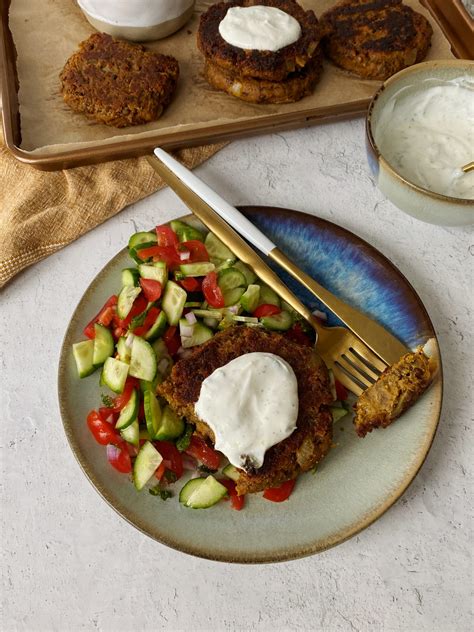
[359, 479]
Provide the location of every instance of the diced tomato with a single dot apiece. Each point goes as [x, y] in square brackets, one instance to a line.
[281, 493]
[108, 414]
[149, 321]
[236, 501]
[139, 305]
[160, 471]
[197, 250]
[190, 284]
[167, 254]
[199, 449]
[166, 236]
[341, 391]
[122, 400]
[151, 289]
[103, 432]
[102, 316]
[120, 458]
[212, 292]
[296, 334]
[266, 310]
[172, 456]
[172, 340]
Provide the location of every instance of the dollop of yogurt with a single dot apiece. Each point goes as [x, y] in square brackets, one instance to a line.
[426, 133]
[259, 28]
[251, 404]
[135, 13]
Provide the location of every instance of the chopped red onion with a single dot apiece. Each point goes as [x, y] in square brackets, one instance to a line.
[112, 452]
[184, 255]
[129, 341]
[191, 318]
[163, 365]
[186, 331]
[233, 309]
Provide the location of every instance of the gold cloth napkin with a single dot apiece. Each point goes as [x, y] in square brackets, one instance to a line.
[41, 212]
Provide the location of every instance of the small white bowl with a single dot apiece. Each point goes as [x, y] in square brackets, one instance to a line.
[137, 20]
[415, 200]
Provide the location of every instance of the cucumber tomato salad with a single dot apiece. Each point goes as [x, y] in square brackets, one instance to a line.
[184, 287]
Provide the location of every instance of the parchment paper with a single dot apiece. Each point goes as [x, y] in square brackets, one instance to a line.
[47, 32]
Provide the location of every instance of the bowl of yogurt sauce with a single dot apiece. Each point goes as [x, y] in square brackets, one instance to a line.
[420, 132]
[137, 20]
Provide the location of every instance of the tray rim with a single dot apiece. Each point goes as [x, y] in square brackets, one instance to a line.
[104, 151]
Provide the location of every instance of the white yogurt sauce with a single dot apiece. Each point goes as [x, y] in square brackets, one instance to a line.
[135, 12]
[251, 404]
[259, 28]
[427, 135]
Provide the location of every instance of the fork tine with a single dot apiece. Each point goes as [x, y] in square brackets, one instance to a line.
[362, 367]
[347, 381]
[368, 356]
[353, 372]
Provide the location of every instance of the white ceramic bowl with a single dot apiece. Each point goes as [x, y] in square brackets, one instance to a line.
[421, 203]
[137, 20]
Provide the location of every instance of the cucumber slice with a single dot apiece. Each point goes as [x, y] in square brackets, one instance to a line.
[141, 238]
[130, 276]
[231, 472]
[151, 386]
[278, 322]
[125, 300]
[131, 434]
[146, 464]
[156, 272]
[200, 334]
[216, 249]
[186, 232]
[207, 313]
[173, 302]
[268, 296]
[103, 344]
[223, 265]
[160, 349]
[337, 413]
[250, 276]
[142, 360]
[197, 269]
[129, 412]
[193, 304]
[123, 350]
[249, 320]
[152, 409]
[171, 426]
[83, 353]
[249, 299]
[229, 279]
[231, 297]
[158, 327]
[114, 374]
[201, 493]
[210, 322]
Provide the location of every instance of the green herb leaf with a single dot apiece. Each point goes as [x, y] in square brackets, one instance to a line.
[170, 476]
[164, 494]
[138, 321]
[185, 439]
[106, 400]
[206, 470]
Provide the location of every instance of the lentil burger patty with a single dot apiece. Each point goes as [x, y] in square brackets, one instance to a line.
[258, 64]
[294, 87]
[118, 83]
[311, 440]
[375, 38]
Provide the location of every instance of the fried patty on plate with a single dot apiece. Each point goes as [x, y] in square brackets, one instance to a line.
[294, 87]
[375, 38]
[258, 64]
[118, 83]
[311, 440]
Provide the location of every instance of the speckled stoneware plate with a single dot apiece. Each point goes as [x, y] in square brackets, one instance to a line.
[356, 483]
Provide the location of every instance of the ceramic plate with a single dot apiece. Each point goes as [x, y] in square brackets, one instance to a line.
[354, 485]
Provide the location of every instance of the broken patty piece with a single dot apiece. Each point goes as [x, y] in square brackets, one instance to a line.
[118, 83]
[311, 440]
[258, 64]
[375, 38]
[399, 386]
[296, 85]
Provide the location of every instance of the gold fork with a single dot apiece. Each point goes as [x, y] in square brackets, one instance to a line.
[352, 362]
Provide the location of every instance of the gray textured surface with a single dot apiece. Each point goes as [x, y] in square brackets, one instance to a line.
[70, 563]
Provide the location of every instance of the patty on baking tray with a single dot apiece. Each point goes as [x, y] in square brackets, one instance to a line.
[258, 64]
[118, 83]
[311, 440]
[297, 85]
[375, 38]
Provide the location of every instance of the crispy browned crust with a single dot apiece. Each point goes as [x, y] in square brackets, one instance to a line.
[375, 38]
[296, 85]
[396, 390]
[118, 83]
[272, 66]
[311, 440]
